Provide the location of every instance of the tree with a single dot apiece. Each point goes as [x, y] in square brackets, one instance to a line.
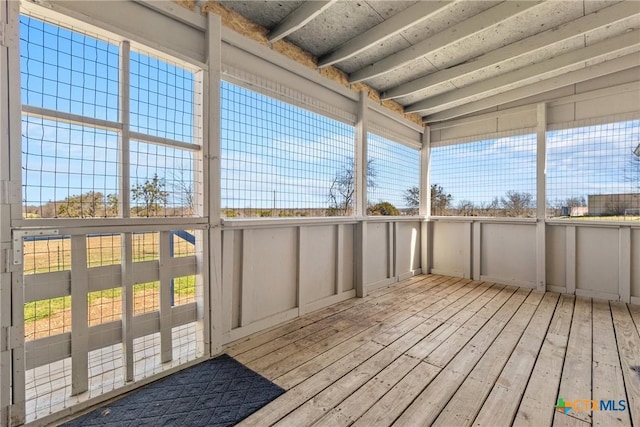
[412, 199]
[489, 209]
[383, 208]
[184, 189]
[86, 205]
[465, 208]
[573, 202]
[343, 187]
[440, 200]
[112, 205]
[632, 170]
[517, 204]
[151, 194]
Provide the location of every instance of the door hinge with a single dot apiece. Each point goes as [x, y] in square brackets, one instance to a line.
[8, 34]
[9, 193]
[4, 338]
[5, 255]
[11, 338]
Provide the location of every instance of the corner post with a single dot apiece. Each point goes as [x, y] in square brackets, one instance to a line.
[425, 201]
[361, 195]
[541, 197]
[213, 178]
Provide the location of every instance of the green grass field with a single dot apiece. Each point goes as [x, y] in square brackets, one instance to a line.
[55, 255]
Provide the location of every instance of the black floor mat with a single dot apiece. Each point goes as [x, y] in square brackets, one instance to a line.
[218, 392]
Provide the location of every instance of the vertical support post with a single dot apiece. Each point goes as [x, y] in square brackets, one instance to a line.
[477, 250]
[541, 197]
[392, 232]
[171, 254]
[166, 295]
[213, 191]
[361, 196]
[361, 257]
[361, 156]
[468, 250]
[624, 264]
[5, 223]
[570, 256]
[228, 278]
[425, 200]
[12, 363]
[79, 316]
[246, 291]
[301, 235]
[124, 208]
[201, 198]
[124, 199]
[16, 344]
[126, 265]
[339, 259]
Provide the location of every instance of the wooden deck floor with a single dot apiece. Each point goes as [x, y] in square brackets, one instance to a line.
[443, 351]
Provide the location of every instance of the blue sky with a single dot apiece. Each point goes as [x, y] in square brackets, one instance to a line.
[65, 71]
[581, 161]
[273, 153]
[277, 154]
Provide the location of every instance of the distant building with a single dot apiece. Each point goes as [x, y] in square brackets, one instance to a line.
[614, 204]
[574, 211]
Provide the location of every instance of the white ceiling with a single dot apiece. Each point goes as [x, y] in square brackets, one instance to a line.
[442, 58]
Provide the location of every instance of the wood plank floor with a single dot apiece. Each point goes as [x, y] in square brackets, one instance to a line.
[444, 351]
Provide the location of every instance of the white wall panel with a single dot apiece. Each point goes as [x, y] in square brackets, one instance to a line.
[269, 271]
[597, 259]
[317, 262]
[508, 253]
[556, 258]
[276, 270]
[348, 274]
[236, 283]
[451, 247]
[377, 251]
[407, 247]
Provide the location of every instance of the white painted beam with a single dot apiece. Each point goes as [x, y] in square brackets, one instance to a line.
[577, 28]
[177, 12]
[480, 22]
[151, 27]
[386, 29]
[299, 18]
[598, 70]
[533, 73]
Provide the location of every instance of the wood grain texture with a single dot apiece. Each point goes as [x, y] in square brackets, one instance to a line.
[435, 350]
